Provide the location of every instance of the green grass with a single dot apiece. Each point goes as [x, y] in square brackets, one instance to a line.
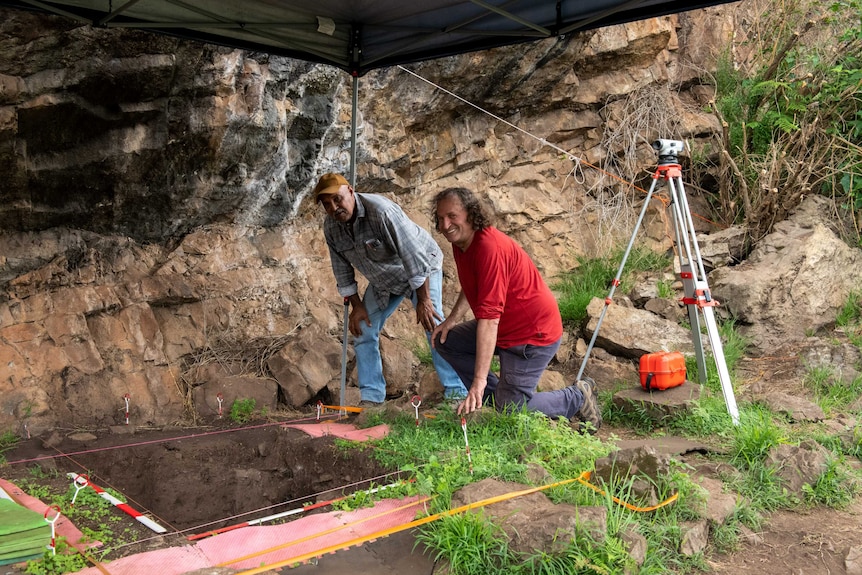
[851, 311]
[836, 487]
[468, 542]
[850, 318]
[665, 289]
[422, 351]
[594, 276]
[831, 393]
[756, 435]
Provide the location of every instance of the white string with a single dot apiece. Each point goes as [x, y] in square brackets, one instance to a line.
[569, 155]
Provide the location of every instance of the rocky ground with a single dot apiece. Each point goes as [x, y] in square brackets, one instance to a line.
[189, 480]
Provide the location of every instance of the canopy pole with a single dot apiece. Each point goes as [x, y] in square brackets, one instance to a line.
[353, 114]
[352, 179]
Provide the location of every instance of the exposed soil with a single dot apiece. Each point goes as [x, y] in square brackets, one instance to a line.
[196, 480]
[191, 480]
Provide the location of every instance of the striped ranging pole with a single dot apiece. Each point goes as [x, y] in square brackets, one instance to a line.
[53, 522]
[139, 517]
[466, 443]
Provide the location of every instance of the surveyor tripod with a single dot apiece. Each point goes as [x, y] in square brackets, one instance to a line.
[697, 296]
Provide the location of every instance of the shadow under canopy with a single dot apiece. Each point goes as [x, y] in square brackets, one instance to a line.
[361, 35]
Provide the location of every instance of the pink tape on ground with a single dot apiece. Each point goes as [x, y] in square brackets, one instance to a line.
[223, 548]
[342, 430]
[64, 527]
[173, 561]
[248, 540]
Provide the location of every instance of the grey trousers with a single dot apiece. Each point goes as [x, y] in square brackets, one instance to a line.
[520, 369]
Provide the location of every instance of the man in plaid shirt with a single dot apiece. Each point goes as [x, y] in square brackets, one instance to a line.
[373, 235]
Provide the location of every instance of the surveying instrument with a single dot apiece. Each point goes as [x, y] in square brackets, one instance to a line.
[697, 296]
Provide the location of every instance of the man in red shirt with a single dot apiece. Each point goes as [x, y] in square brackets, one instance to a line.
[516, 317]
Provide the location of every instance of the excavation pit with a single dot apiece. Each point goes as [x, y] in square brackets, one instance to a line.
[197, 480]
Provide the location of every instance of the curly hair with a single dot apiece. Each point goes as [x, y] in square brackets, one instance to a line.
[476, 214]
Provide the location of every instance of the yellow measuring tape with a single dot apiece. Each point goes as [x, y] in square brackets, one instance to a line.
[385, 532]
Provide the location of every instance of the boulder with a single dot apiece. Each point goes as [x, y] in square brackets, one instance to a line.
[532, 522]
[795, 280]
[630, 332]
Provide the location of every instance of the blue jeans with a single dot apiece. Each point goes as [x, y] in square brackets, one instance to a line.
[369, 365]
[521, 367]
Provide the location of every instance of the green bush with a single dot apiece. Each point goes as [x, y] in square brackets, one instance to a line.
[242, 410]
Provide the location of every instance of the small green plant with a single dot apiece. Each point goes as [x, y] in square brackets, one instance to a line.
[835, 487]
[242, 410]
[422, 352]
[665, 289]
[39, 472]
[7, 442]
[42, 492]
[357, 500]
[850, 316]
[66, 560]
[469, 542]
[851, 311]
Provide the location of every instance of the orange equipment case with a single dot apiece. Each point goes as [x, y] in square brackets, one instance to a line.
[662, 370]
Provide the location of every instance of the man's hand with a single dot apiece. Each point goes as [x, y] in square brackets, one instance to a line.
[358, 315]
[473, 401]
[442, 330]
[426, 315]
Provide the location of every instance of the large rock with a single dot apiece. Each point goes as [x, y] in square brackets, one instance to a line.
[305, 365]
[798, 465]
[795, 280]
[631, 332]
[532, 522]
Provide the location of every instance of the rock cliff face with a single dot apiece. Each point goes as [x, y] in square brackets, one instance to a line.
[156, 232]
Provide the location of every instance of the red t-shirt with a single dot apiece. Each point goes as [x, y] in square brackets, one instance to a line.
[499, 280]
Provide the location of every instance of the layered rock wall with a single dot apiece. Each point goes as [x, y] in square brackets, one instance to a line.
[155, 231]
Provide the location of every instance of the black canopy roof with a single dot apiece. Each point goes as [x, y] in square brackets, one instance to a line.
[360, 35]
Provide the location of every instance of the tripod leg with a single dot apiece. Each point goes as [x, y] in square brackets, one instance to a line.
[693, 321]
[687, 275]
[616, 281]
[721, 364]
[701, 297]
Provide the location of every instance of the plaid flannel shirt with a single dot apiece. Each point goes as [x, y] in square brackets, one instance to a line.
[394, 253]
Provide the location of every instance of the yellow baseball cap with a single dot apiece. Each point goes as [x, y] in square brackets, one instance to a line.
[328, 184]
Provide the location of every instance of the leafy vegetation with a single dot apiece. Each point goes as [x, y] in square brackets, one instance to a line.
[850, 318]
[66, 560]
[82, 506]
[242, 410]
[793, 114]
